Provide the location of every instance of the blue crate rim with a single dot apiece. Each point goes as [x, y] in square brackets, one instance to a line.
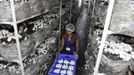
[56, 59]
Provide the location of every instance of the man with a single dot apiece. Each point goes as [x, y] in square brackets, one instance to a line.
[70, 41]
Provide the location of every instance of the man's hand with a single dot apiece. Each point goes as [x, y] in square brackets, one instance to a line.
[57, 52]
[77, 56]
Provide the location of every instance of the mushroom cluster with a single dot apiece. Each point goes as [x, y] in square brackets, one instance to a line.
[114, 45]
[11, 67]
[44, 22]
[42, 49]
[26, 28]
[37, 24]
[9, 36]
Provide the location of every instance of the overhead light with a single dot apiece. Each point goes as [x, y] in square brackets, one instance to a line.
[79, 3]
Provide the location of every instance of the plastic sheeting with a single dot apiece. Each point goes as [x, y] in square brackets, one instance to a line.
[115, 67]
[25, 10]
[123, 17]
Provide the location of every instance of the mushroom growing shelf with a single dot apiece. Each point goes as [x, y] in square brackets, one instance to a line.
[64, 64]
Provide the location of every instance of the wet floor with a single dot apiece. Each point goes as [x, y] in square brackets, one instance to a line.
[82, 32]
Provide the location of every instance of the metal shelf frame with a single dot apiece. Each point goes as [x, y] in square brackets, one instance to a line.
[14, 23]
[106, 32]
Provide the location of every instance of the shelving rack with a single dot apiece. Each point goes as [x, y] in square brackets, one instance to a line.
[106, 32]
[14, 24]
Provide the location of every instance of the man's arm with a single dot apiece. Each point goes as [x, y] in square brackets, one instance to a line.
[77, 45]
[62, 45]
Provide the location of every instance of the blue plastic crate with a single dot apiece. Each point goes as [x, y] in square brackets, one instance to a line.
[67, 58]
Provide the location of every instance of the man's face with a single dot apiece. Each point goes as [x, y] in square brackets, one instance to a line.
[69, 32]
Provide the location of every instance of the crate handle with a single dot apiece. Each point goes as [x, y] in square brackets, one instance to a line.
[67, 57]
